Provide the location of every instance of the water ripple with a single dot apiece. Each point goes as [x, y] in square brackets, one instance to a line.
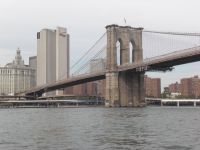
[147, 128]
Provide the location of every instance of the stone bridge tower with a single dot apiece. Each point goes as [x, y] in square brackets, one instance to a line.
[124, 89]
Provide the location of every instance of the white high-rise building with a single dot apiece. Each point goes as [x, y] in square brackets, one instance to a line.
[16, 76]
[97, 65]
[33, 65]
[52, 56]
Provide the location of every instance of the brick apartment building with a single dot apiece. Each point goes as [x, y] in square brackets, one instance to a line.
[152, 87]
[175, 88]
[190, 87]
[96, 88]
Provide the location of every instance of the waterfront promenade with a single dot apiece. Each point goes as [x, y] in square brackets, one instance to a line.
[49, 103]
[43, 103]
[173, 102]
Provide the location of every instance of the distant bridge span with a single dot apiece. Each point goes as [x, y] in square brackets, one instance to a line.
[163, 62]
[157, 63]
[66, 83]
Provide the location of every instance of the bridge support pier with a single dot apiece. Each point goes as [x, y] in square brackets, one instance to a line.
[124, 89]
[112, 89]
[137, 89]
[131, 89]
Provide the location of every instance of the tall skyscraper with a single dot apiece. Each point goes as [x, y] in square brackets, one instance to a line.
[97, 65]
[33, 65]
[52, 56]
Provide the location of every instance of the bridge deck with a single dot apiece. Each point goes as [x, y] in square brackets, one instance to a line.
[167, 60]
[163, 61]
[67, 83]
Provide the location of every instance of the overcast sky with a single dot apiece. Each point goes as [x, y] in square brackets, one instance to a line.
[85, 20]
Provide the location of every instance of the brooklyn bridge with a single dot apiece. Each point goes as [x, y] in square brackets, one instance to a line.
[129, 53]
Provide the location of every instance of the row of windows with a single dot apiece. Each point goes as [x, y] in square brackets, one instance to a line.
[10, 72]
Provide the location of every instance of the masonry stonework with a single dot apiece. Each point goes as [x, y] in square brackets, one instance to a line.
[124, 89]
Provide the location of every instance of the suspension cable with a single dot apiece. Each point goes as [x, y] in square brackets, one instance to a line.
[87, 52]
[173, 33]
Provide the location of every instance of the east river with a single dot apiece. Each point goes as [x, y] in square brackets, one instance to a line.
[150, 128]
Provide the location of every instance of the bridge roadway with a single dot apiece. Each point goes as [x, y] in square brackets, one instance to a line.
[67, 83]
[162, 63]
[165, 61]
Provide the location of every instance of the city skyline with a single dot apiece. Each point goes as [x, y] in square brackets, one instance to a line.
[13, 33]
[99, 74]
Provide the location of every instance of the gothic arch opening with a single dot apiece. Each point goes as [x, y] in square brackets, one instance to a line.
[131, 51]
[118, 49]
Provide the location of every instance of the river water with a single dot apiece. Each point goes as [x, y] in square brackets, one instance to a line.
[149, 128]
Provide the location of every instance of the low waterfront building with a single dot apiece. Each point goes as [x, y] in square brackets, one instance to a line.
[16, 76]
[174, 95]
